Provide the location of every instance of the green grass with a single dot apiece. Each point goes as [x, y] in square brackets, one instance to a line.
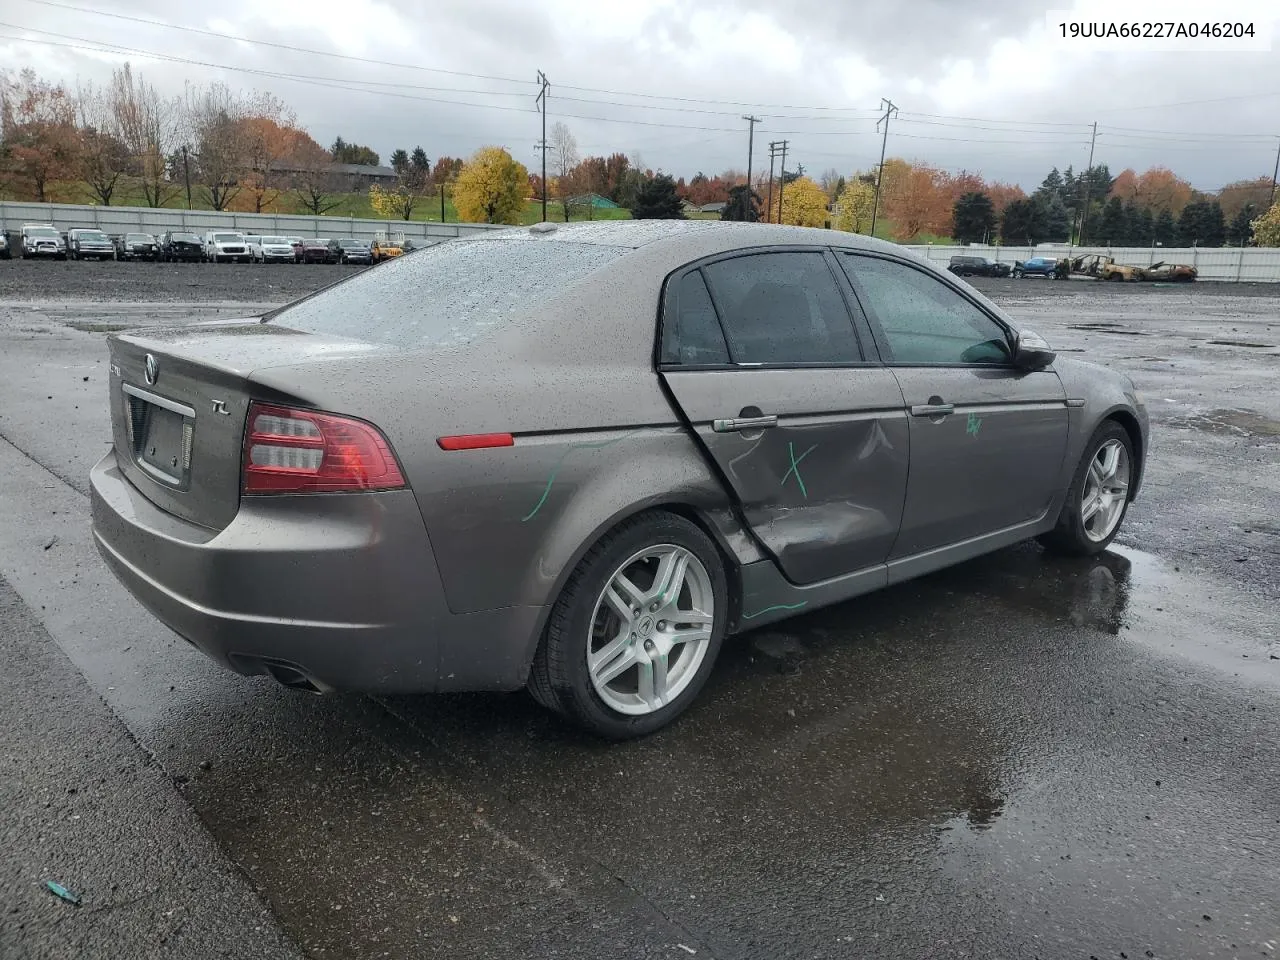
[129, 194]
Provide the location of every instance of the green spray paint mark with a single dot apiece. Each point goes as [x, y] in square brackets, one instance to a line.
[795, 467]
[776, 606]
[975, 424]
[559, 463]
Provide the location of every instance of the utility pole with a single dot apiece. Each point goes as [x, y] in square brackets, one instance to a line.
[186, 172]
[782, 177]
[1088, 183]
[890, 111]
[768, 206]
[750, 150]
[541, 101]
[1275, 170]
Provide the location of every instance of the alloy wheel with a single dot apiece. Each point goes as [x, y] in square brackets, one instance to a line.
[1106, 490]
[650, 629]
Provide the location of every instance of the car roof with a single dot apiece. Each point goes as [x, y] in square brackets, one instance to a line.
[708, 236]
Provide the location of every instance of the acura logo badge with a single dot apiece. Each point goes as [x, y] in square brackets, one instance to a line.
[151, 369]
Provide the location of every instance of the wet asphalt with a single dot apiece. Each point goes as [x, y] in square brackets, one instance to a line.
[1019, 757]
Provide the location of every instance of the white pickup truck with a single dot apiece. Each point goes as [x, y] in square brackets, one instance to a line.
[270, 249]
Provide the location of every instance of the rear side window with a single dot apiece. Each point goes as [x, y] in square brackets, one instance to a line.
[691, 333]
[782, 308]
[449, 292]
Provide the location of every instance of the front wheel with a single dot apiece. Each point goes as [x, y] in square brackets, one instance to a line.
[1099, 495]
[634, 634]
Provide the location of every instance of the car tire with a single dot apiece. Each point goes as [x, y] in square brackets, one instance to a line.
[561, 679]
[1096, 482]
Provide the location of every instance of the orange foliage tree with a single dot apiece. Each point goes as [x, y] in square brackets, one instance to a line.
[1156, 189]
[38, 130]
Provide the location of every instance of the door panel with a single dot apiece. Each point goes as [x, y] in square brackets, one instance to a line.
[823, 489]
[992, 462]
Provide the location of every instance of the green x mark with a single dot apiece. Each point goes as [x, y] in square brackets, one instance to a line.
[975, 424]
[795, 467]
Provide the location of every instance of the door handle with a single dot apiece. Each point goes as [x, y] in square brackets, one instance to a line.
[744, 423]
[933, 409]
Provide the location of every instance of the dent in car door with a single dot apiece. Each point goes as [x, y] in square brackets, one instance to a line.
[815, 455]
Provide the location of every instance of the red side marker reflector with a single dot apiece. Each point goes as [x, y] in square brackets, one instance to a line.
[476, 441]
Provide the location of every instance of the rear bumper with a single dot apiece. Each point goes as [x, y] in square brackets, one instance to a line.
[339, 590]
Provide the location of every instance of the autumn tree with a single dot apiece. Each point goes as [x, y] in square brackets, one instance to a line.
[973, 218]
[446, 169]
[657, 200]
[315, 185]
[1266, 229]
[1234, 197]
[270, 138]
[103, 156]
[216, 117]
[743, 204]
[37, 127]
[803, 204]
[491, 187]
[152, 126]
[913, 197]
[853, 206]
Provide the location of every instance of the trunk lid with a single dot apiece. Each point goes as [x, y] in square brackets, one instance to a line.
[178, 419]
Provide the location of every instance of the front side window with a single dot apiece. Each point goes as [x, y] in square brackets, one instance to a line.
[782, 308]
[690, 331]
[922, 319]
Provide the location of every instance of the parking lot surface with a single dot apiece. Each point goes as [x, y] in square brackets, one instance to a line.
[1022, 756]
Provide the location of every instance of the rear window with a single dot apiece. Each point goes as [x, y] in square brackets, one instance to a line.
[449, 292]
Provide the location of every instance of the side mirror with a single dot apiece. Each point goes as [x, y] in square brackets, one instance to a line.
[1031, 352]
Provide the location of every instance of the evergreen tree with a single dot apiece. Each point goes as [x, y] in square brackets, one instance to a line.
[1202, 224]
[1142, 228]
[420, 161]
[973, 218]
[1051, 186]
[1023, 222]
[399, 160]
[743, 204]
[1240, 230]
[657, 200]
[1057, 221]
[1112, 228]
[1166, 228]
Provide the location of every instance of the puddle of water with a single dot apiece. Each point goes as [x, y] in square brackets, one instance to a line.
[1230, 423]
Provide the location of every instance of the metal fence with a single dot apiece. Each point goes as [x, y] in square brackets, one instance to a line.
[157, 220]
[1247, 264]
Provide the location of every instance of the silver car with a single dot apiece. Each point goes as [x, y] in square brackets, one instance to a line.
[575, 458]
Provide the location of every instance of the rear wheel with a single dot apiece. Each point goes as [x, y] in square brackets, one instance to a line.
[1099, 495]
[635, 633]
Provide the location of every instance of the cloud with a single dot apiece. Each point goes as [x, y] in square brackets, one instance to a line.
[982, 87]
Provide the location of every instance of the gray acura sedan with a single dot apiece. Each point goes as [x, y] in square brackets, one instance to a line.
[575, 458]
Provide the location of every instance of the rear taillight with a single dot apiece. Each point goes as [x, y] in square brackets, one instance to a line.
[301, 451]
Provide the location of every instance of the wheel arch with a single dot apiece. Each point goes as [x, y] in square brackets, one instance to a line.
[720, 525]
[1129, 422]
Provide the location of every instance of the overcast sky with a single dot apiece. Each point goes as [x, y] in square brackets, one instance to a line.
[980, 86]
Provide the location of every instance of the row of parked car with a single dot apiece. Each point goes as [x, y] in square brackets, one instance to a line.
[215, 246]
[1095, 265]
